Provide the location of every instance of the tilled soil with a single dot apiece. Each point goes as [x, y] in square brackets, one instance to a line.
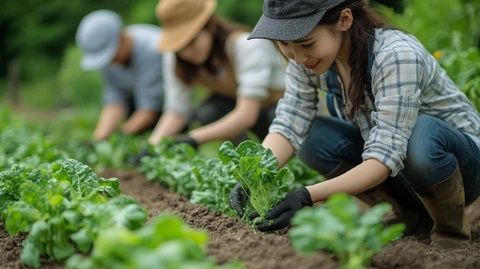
[230, 239]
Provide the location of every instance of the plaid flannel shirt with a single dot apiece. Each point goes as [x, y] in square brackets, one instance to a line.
[406, 81]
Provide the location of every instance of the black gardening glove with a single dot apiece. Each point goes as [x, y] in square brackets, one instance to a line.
[280, 215]
[88, 145]
[137, 159]
[185, 139]
[238, 199]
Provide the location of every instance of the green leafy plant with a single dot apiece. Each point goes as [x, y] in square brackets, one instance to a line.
[339, 227]
[434, 27]
[172, 165]
[303, 174]
[256, 168]
[75, 228]
[116, 151]
[164, 243]
[19, 143]
[451, 33]
[213, 185]
[463, 66]
[62, 207]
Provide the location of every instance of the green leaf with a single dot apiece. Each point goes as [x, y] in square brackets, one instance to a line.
[83, 240]
[19, 217]
[30, 255]
[375, 214]
[256, 168]
[338, 226]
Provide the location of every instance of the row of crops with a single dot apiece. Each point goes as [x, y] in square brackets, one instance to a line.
[70, 214]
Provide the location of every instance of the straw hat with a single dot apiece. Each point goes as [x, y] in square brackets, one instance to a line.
[182, 21]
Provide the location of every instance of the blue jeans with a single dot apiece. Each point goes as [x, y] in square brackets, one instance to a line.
[433, 152]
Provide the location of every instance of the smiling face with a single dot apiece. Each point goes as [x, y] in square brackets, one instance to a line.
[317, 51]
[198, 50]
[325, 44]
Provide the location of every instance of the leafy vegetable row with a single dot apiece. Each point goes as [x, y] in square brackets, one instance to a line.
[337, 226]
[65, 208]
[208, 181]
[164, 243]
[62, 206]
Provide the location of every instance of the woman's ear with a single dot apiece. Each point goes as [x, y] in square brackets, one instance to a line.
[345, 21]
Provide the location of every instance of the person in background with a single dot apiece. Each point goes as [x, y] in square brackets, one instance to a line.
[398, 122]
[131, 68]
[245, 79]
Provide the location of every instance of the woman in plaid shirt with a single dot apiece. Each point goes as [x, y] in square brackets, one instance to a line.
[399, 129]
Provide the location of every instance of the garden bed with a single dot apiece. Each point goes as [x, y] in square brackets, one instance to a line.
[231, 239]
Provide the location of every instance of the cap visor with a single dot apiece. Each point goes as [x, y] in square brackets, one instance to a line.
[99, 60]
[285, 29]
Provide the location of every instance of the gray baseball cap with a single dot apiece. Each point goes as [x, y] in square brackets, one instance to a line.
[98, 37]
[289, 20]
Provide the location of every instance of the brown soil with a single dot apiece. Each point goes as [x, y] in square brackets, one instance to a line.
[231, 239]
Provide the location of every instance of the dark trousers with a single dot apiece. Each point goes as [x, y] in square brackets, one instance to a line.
[217, 106]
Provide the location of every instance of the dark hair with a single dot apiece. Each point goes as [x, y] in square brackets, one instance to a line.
[365, 20]
[220, 30]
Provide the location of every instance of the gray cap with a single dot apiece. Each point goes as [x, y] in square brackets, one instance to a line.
[288, 20]
[98, 36]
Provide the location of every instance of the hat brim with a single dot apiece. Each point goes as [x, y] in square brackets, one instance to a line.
[100, 59]
[175, 39]
[285, 29]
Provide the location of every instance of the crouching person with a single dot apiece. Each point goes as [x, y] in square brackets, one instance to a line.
[244, 78]
[131, 69]
[399, 125]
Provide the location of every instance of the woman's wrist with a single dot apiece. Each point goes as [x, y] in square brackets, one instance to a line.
[315, 193]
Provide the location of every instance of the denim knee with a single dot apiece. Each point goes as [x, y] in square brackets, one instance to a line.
[428, 162]
[312, 156]
[330, 141]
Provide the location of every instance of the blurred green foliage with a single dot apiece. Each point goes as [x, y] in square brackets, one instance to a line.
[433, 23]
[463, 66]
[451, 32]
[247, 11]
[78, 87]
[40, 35]
[37, 31]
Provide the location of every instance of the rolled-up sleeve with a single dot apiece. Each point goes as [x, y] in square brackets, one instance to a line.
[297, 109]
[254, 63]
[396, 86]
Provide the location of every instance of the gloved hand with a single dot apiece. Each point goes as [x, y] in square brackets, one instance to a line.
[238, 199]
[280, 215]
[137, 159]
[186, 139]
[88, 145]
